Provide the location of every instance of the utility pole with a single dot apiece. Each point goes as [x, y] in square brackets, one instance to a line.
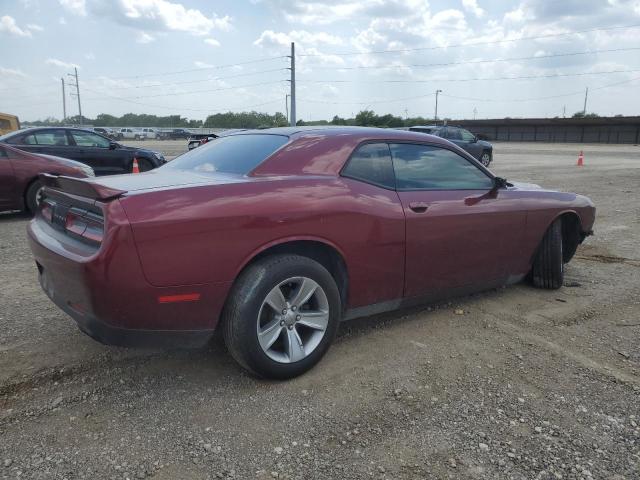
[286, 105]
[64, 102]
[436, 116]
[292, 119]
[584, 109]
[564, 111]
[475, 112]
[77, 85]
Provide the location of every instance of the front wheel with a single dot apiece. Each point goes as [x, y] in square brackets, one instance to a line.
[548, 265]
[485, 159]
[281, 316]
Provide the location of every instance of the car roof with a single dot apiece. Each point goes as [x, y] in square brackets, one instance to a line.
[323, 150]
[364, 133]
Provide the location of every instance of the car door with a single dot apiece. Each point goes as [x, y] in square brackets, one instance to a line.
[51, 141]
[460, 231]
[95, 150]
[470, 143]
[7, 182]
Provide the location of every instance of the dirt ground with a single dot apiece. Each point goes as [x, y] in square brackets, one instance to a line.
[527, 384]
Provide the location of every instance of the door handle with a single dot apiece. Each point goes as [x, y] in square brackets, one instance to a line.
[419, 207]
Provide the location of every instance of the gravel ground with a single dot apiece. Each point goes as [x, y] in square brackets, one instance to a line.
[523, 384]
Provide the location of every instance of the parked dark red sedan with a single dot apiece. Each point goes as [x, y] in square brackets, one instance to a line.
[277, 235]
[20, 188]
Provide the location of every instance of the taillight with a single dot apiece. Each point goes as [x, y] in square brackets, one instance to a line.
[85, 224]
[80, 223]
[46, 210]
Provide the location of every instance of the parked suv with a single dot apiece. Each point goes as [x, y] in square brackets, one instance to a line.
[480, 149]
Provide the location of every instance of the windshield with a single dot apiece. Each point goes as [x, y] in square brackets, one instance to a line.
[233, 154]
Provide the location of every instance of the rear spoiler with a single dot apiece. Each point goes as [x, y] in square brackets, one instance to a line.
[80, 187]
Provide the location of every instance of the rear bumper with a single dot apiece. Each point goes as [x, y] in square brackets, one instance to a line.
[126, 337]
[107, 295]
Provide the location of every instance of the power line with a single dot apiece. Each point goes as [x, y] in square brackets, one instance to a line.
[521, 77]
[190, 82]
[375, 102]
[471, 44]
[549, 97]
[164, 107]
[200, 69]
[159, 74]
[472, 62]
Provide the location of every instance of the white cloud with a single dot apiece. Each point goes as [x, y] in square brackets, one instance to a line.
[200, 64]
[77, 7]
[34, 27]
[62, 21]
[212, 41]
[59, 63]
[90, 56]
[144, 37]
[473, 7]
[159, 15]
[8, 24]
[269, 38]
[12, 72]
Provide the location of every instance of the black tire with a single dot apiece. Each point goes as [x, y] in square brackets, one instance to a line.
[31, 197]
[137, 137]
[144, 164]
[485, 158]
[548, 265]
[241, 313]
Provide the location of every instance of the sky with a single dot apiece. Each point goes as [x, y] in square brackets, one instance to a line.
[489, 58]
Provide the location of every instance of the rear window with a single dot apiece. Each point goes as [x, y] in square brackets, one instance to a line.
[233, 154]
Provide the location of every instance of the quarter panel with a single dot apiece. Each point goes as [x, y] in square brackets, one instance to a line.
[206, 234]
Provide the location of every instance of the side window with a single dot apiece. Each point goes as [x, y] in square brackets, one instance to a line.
[371, 163]
[453, 134]
[467, 136]
[28, 140]
[47, 137]
[424, 167]
[3, 153]
[86, 139]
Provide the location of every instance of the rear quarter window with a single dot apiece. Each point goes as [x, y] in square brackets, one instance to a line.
[237, 154]
[371, 163]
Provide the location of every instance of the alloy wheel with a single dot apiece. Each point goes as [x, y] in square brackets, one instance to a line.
[39, 196]
[485, 159]
[293, 320]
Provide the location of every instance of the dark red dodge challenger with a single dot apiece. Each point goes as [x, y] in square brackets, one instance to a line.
[277, 235]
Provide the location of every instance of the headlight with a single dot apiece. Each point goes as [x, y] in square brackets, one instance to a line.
[159, 156]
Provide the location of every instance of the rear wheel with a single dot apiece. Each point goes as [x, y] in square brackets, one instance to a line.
[485, 159]
[548, 266]
[282, 316]
[33, 196]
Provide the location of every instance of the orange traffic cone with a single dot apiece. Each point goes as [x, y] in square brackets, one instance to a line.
[135, 168]
[580, 159]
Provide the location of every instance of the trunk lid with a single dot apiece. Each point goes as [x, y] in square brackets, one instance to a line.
[109, 187]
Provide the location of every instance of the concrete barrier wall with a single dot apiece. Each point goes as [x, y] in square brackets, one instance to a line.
[587, 130]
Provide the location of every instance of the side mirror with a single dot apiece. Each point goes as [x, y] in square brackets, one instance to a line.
[499, 182]
[113, 145]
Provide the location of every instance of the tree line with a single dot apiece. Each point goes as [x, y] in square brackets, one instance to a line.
[365, 118]
[230, 120]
